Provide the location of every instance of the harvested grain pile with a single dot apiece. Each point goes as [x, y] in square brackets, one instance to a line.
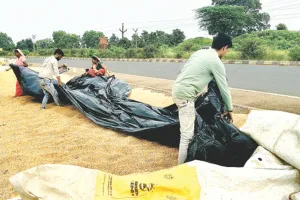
[62, 135]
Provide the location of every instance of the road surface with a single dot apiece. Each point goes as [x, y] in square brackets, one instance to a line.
[271, 79]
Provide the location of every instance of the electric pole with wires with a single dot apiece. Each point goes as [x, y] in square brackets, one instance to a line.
[135, 37]
[33, 40]
[123, 31]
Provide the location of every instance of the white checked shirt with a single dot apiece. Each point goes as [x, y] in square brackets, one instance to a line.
[49, 68]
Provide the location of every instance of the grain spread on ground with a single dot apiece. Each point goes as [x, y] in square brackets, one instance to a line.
[62, 135]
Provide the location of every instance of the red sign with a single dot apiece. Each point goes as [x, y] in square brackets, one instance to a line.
[103, 42]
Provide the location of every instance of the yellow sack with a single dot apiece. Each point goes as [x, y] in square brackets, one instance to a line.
[177, 183]
[64, 182]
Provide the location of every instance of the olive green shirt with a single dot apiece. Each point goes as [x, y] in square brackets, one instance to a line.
[200, 69]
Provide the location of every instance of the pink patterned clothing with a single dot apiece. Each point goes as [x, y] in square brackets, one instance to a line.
[20, 61]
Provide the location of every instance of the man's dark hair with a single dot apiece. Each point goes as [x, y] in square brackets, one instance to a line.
[16, 51]
[60, 52]
[221, 40]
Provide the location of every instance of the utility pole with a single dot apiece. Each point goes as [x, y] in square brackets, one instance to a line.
[122, 31]
[33, 39]
[136, 37]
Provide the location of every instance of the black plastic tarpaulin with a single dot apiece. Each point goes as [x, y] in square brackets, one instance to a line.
[104, 100]
[216, 140]
[29, 82]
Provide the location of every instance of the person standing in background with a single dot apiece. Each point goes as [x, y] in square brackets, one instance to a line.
[21, 61]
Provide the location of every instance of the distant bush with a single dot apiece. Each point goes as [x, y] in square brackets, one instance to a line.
[194, 44]
[118, 52]
[165, 51]
[3, 53]
[106, 54]
[263, 45]
[186, 55]
[278, 55]
[113, 52]
[295, 53]
[84, 52]
[93, 52]
[149, 51]
[26, 52]
[42, 52]
[282, 39]
[130, 53]
[33, 54]
[233, 55]
[67, 52]
[75, 52]
[10, 53]
[252, 49]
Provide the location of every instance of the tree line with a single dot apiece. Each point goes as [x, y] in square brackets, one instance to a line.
[90, 39]
[241, 19]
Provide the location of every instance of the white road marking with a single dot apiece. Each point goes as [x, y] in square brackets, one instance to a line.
[274, 94]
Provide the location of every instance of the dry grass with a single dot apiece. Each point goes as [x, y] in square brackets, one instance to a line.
[62, 135]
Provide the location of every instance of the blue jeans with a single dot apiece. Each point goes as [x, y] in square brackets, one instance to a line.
[48, 89]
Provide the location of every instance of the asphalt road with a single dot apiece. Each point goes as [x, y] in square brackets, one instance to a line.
[271, 79]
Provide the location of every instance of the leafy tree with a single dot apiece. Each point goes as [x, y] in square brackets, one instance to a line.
[145, 37]
[257, 21]
[90, 39]
[66, 40]
[251, 20]
[156, 38]
[59, 37]
[225, 19]
[152, 38]
[113, 40]
[162, 38]
[149, 38]
[159, 38]
[45, 44]
[124, 43]
[26, 44]
[250, 5]
[281, 26]
[141, 43]
[6, 43]
[176, 37]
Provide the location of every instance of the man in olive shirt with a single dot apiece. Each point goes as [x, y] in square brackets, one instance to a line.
[200, 69]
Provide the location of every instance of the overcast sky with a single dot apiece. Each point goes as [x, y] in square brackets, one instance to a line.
[22, 19]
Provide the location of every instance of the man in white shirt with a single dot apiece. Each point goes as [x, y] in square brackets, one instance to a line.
[50, 69]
